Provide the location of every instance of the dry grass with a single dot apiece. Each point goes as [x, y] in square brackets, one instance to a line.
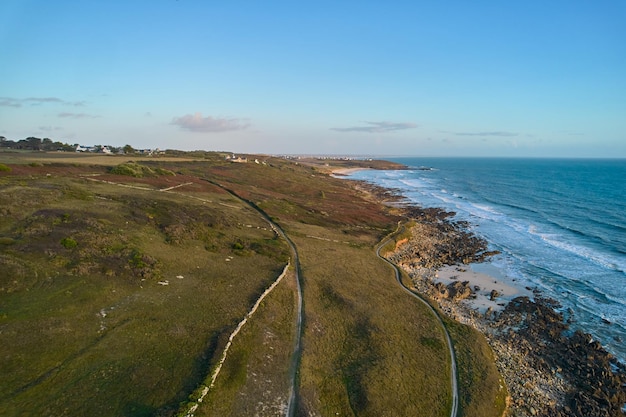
[22, 157]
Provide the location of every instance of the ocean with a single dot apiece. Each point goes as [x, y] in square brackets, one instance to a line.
[560, 225]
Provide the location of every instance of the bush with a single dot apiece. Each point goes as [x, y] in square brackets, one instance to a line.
[4, 168]
[132, 169]
[68, 243]
[163, 171]
[6, 241]
[127, 169]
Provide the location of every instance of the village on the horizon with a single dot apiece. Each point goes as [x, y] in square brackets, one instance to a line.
[48, 145]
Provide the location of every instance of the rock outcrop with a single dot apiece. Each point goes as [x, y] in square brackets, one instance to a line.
[437, 241]
[549, 370]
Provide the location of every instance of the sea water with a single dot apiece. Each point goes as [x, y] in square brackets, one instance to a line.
[559, 224]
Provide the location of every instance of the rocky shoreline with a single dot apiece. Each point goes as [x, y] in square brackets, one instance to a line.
[549, 369]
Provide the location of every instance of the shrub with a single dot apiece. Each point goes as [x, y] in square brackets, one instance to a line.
[68, 243]
[129, 169]
[163, 171]
[6, 241]
[132, 169]
[4, 168]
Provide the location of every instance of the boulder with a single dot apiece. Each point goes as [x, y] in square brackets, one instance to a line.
[459, 290]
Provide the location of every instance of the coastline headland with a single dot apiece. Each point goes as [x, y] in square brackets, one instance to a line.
[549, 369]
[104, 248]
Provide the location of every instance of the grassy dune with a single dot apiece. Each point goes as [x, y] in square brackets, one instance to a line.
[118, 300]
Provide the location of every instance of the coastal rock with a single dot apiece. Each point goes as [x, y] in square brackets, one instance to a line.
[436, 241]
[548, 370]
[459, 290]
[441, 291]
[493, 295]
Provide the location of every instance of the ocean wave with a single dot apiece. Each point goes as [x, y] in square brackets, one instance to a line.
[558, 233]
[605, 261]
[413, 183]
[486, 208]
[513, 206]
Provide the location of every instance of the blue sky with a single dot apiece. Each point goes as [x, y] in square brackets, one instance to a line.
[437, 78]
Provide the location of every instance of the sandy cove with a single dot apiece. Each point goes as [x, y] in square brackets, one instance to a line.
[548, 370]
[346, 171]
[483, 286]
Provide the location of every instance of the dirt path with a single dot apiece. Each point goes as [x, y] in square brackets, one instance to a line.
[453, 371]
[297, 349]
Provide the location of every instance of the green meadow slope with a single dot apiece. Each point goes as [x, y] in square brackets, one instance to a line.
[119, 288]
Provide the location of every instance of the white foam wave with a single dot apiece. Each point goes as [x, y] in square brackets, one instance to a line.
[414, 183]
[602, 260]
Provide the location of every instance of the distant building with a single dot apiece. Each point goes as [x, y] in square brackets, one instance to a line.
[237, 159]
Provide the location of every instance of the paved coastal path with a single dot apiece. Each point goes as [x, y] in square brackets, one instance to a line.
[453, 373]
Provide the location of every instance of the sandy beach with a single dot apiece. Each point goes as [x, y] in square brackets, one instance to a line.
[346, 171]
[483, 279]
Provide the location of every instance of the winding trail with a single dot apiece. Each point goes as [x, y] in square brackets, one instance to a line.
[453, 372]
[290, 410]
[297, 349]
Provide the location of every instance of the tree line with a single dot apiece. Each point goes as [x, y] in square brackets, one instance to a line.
[46, 144]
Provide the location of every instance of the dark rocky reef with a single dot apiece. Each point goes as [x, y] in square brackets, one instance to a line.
[596, 380]
[439, 241]
[552, 370]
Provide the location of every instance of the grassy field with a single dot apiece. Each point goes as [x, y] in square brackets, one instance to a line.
[254, 378]
[117, 298]
[88, 328]
[366, 344]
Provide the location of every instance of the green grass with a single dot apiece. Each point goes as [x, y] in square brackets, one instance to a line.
[362, 335]
[86, 326]
[89, 329]
[261, 352]
[482, 390]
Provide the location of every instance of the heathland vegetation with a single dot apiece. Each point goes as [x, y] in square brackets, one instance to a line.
[121, 282]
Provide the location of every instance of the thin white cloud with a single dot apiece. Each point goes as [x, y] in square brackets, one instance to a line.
[9, 102]
[50, 128]
[197, 123]
[377, 127]
[489, 133]
[67, 115]
[36, 101]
